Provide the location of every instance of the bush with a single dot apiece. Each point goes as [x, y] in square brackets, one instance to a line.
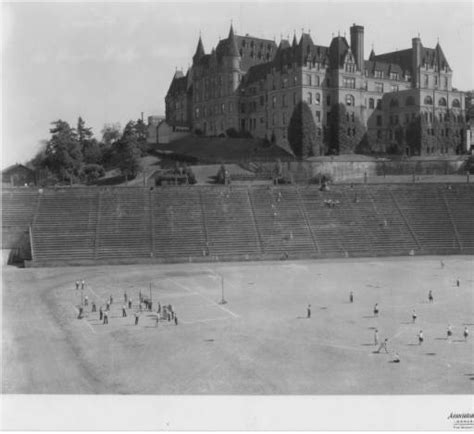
[92, 172]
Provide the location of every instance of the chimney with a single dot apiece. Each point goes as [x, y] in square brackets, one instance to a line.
[357, 45]
[416, 61]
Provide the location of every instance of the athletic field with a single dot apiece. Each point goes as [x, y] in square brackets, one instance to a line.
[259, 342]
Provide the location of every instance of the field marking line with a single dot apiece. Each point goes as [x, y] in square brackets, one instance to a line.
[93, 292]
[221, 318]
[77, 311]
[173, 295]
[204, 297]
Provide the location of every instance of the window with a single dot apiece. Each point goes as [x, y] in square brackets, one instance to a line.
[445, 82]
[379, 87]
[395, 119]
[410, 101]
[394, 76]
[328, 82]
[308, 79]
[318, 116]
[379, 134]
[371, 103]
[222, 108]
[310, 98]
[317, 99]
[349, 82]
[317, 81]
[350, 67]
[379, 121]
[197, 113]
[349, 100]
[328, 100]
[379, 104]
[352, 117]
[456, 103]
[441, 117]
[273, 118]
[294, 98]
[426, 80]
[318, 132]
[407, 118]
[348, 131]
[435, 80]
[274, 100]
[231, 107]
[394, 88]
[428, 100]
[377, 74]
[442, 102]
[295, 80]
[283, 100]
[283, 118]
[394, 103]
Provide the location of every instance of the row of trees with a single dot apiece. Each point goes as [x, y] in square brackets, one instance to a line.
[347, 135]
[341, 136]
[75, 155]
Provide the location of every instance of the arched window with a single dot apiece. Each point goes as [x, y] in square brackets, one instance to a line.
[410, 101]
[456, 103]
[442, 102]
[349, 100]
[428, 100]
[394, 103]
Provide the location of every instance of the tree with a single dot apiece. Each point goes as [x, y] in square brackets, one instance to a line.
[92, 172]
[128, 152]
[63, 153]
[111, 133]
[414, 135]
[302, 132]
[345, 131]
[142, 134]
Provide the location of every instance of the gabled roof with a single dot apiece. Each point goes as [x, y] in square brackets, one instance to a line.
[434, 57]
[15, 167]
[386, 68]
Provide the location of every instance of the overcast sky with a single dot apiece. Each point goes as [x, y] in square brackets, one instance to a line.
[108, 62]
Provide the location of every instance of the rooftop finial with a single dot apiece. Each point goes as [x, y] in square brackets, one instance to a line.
[438, 39]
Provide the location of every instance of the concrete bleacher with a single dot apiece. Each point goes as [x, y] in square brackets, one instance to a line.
[18, 208]
[64, 227]
[178, 226]
[229, 222]
[181, 224]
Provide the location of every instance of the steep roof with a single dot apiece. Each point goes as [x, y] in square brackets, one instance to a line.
[386, 68]
[199, 51]
[178, 84]
[337, 52]
[403, 58]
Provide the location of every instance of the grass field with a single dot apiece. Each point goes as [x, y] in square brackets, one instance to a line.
[259, 342]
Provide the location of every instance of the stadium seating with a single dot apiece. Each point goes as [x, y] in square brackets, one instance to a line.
[124, 224]
[18, 208]
[194, 223]
[65, 226]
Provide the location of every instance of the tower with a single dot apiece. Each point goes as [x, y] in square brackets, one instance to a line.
[416, 61]
[357, 45]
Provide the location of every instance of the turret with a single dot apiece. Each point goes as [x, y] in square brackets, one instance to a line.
[199, 52]
[357, 45]
[416, 61]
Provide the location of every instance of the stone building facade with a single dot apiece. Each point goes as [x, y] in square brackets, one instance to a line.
[251, 84]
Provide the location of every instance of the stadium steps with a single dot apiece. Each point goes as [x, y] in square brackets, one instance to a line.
[64, 228]
[426, 212]
[178, 223]
[229, 222]
[460, 199]
[124, 224]
[281, 223]
[18, 209]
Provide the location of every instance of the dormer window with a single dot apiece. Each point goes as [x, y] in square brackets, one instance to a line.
[378, 74]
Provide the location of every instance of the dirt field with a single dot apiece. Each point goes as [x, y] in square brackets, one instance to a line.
[259, 342]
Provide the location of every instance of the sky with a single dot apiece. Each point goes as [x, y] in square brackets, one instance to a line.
[109, 62]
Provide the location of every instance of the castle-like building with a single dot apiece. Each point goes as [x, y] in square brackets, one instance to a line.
[253, 85]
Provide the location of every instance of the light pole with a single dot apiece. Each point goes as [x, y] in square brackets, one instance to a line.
[222, 291]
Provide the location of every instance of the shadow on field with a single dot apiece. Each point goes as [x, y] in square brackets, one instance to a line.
[441, 339]
[413, 345]
[431, 354]
[369, 316]
[367, 345]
